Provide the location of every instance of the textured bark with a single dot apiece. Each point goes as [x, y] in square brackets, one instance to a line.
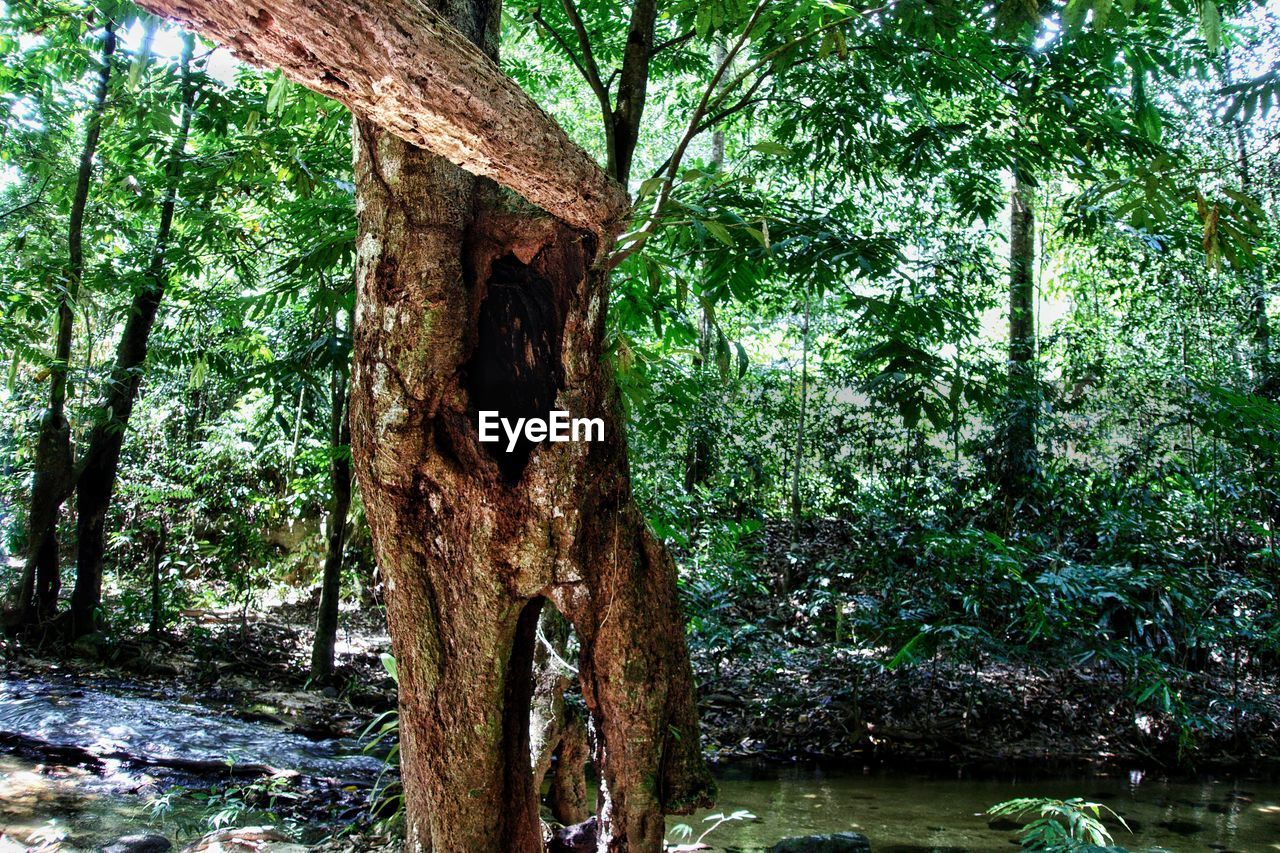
[633, 86]
[567, 797]
[472, 538]
[53, 472]
[402, 66]
[339, 507]
[1020, 451]
[465, 299]
[97, 478]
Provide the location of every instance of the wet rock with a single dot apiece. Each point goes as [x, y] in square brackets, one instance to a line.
[839, 842]
[248, 839]
[1004, 824]
[138, 844]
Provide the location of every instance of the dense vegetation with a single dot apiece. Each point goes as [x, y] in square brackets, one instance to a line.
[944, 337]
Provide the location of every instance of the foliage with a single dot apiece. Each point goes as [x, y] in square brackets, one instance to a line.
[383, 733]
[1072, 824]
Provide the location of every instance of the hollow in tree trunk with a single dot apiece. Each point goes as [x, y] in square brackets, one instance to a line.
[469, 300]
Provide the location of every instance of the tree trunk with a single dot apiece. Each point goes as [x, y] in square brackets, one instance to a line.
[1020, 452]
[798, 456]
[97, 479]
[340, 486]
[467, 303]
[701, 447]
[156, 625]
[53, 470]
[697, 469]
[463, 311]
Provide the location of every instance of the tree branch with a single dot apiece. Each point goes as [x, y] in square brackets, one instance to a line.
[39, 197]
[713, 96]
[562, 42]
[590, 67]
[397, 64]
[672, 42]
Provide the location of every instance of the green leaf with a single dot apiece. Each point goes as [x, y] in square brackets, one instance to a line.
[389, 664]
[1211, 25]
[717, 230]
[276, 94]
[1073, 14]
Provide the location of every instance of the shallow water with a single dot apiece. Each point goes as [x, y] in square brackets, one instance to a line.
[910, 813]
[71, 809]
[153, 729]
[900, 812]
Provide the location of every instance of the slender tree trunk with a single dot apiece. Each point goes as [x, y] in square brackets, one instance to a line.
[798, 456]
[340, 504]
[156, 624]
[1020, 451]
[633, 86]
[97, 479]
[1266, 381]
[697, 469]
[53, 469]
[701, 446]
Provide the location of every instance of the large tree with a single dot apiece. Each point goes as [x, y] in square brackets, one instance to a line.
[470, 299]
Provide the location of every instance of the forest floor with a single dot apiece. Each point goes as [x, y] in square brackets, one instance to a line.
[773, 699]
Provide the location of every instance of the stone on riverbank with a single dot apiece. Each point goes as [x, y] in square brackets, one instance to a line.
[839, 842]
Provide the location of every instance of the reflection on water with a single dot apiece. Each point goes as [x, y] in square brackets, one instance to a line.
[907, 813]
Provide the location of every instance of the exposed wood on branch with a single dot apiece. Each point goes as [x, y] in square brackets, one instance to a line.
[399, 65]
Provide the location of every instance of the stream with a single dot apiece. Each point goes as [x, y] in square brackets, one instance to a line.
[903, 812]
[145, 746]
